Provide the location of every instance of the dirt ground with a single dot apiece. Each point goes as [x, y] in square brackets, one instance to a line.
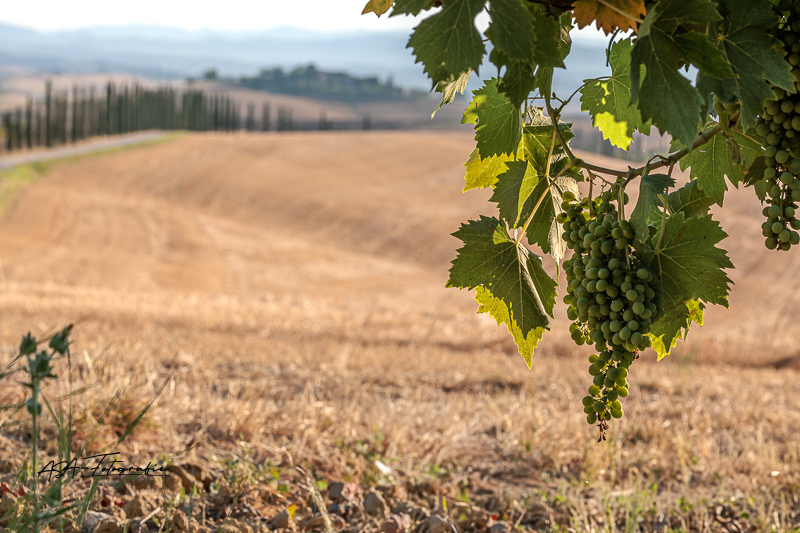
[289, 290]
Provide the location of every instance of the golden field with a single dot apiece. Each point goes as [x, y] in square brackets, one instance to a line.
[287, 292]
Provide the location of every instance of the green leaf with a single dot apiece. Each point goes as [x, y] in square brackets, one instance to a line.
[513, 29]
[512, 274]
[379, 7]
[689, 200]
[543, 229]
[411, 7]
[499, 122]
[482, 172]
[689, 264]
[721, 157]
[447, 43]
[650, 188]
[664, 96]
[553, 42]
[487, 303]
[702, 53]
[674, 325]
[513, 190]
[754, 55]
[525, 192]
[449, 89]
[517, 81]
[544, 74]
[608, 101]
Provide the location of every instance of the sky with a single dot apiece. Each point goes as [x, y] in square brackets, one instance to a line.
[199, 14]
[231, 15]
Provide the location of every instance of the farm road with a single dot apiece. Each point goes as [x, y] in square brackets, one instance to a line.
[10, 161]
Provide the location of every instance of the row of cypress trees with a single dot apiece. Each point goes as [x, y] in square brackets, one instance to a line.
[61, 119]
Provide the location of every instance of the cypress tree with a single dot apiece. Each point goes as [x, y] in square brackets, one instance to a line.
[251, 117]
[48, 116]
[109, 108]
[74, 132]
[265, 117]
[29, 123]
[7, 131]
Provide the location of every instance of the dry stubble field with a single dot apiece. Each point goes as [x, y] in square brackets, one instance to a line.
[289, 291]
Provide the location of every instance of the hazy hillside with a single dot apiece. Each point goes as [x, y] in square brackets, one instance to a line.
[163, 52]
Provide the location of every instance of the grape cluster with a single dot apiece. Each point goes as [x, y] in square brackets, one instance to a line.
[613, 298]
[779, 127]
[783, 193]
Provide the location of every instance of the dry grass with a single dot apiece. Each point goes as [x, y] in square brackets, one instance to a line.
[349, 349]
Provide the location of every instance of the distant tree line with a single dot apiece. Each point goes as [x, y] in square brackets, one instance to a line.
[313, 83]
[63, 117]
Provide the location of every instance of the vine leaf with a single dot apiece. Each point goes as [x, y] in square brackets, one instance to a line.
[498, 121]
[722, 156]
[650, 188]
[497, 308]
[517, 81]
[513, 191]
[689, 200]
[525, 191]
[754, 55]
[482, 172]
[411, 7]
[608, 19]
[553, 42]
[691, 267]
[551, 33]
[513, 29]
[447, 43]
[379, 7]
[450, 88]
[675, 325]
[608, 101]
[664, 95]
[516, 289]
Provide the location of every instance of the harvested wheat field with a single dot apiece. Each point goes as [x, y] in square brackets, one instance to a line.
[282, 299]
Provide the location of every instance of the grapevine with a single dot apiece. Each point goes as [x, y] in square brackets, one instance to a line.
[641, 254]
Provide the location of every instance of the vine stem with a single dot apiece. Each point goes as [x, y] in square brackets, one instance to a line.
[633, 173]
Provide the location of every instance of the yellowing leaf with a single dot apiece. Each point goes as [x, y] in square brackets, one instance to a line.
[609, 15]
[379, 7]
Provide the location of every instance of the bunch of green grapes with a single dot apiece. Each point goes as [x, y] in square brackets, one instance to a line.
[779, 128]
[613, 298]
[783, 193]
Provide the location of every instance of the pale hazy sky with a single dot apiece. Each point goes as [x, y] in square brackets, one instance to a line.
[198, 14]
[203, 14]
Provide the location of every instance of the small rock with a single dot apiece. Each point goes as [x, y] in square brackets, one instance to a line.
[339, 491]
[200, 474]
[187, 480]
[417, 514]
[179, 521]
[281, 521]
[140, 505]
[436, 524]
[374, 504]
[500, 527]
[102, 523]
[397, 523]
